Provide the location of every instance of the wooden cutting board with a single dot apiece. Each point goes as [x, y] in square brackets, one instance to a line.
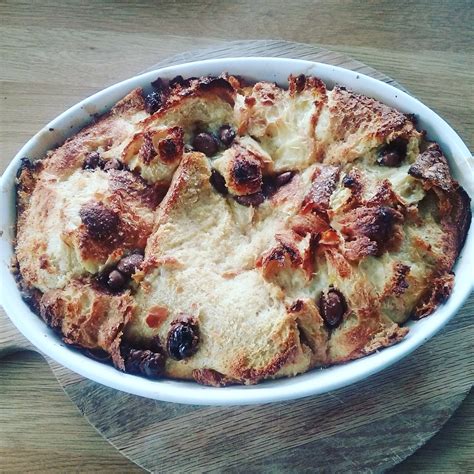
[369, 426]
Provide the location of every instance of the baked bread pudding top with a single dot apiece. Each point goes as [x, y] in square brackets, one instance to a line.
[230, 232]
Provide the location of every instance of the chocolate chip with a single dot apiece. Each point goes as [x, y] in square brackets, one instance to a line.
[99, 220]
[348, 181]
[205, 143]
[283, 178]
[153, 101]
[300, 82]
[113, 164]
[128, 265]
[25, 164]
[159, 84]
[188, 148]
[332, 307]
[183, 339]
[253, 200]
[177, 80]
[116, 281]
[226, 135]
[218, 182]
[92, 161]
[393, 153]
[247, 172]
[144, 362]
[269, 186]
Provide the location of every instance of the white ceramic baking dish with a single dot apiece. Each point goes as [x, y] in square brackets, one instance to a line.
[314, 382]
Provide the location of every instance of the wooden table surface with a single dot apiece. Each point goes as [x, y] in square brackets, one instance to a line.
[52, 54]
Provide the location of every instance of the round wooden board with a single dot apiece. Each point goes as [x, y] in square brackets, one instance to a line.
[369, 426]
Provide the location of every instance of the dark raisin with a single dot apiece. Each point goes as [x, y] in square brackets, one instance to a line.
[128, 265]
[113, 164]
[393, 153]
[116, 281]
[283, 178]
[177, 80]
[218, 182]
[153, 101]
[25, 164]
[183, 339]
[253, 200]
[144, 362]
[205, 143]
[99, 220]
[159, 84]
[247, 172]
[92, 161]
[226, 135]
[348, 181]
[332, 307]
[300, 82]
[269, 186]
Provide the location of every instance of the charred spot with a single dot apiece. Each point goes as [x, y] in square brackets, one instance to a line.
[400, 283]
[375, 223]
[99, 221]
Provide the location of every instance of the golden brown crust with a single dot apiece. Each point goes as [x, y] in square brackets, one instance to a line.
[309, 249]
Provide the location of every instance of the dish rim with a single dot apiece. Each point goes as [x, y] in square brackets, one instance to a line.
[316, 381]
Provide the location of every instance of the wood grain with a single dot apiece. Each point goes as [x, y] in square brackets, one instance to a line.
[426, 46]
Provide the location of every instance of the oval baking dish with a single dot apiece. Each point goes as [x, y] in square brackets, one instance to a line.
[313, 382]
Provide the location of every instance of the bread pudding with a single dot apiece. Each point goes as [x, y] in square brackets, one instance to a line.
[229, 232]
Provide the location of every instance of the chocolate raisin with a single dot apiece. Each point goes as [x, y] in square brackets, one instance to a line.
[332, 307]
[144, 362]
[99, 220]
[393, 153]
[226, 135]
[250, 200]
[218, 182]
[153, 101]
[128, 265]
[300, 82]
[283, 178]
[92, 161]
[116, 281]
[183, 339]
[205, 143]
[113, 164]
